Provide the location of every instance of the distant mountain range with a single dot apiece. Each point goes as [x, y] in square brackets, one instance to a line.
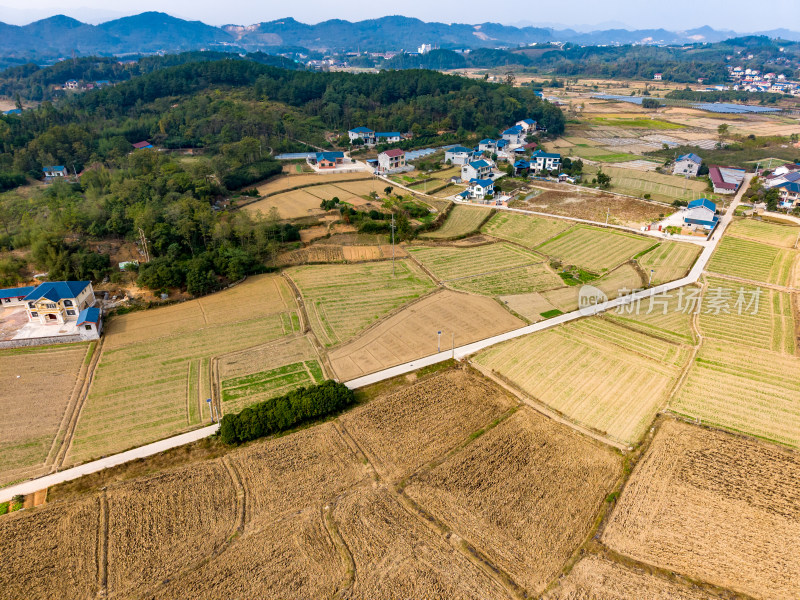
[150, 32]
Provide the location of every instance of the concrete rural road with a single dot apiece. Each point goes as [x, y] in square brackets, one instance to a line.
[34, 485]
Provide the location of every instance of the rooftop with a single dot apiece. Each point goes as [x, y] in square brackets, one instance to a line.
[89, 315]
[479, 164]
[704, 203]
[19, 292]
[393, 152]
[482, 182]
[57, 290]
[362, 130]
[692, 157]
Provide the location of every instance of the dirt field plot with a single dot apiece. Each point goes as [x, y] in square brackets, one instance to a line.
[296, 471]
[620, 280]
[160, 525]
[290, 205]
[525, 493]
[596, 373]
[752, 260]
[461, 221]
[316, 254]
[32, 417]
[669, 261]
[767, 324]
[530, 231]
[397, 555]
[568, 201]
[50, 552]
[265, 357]
[595, 578]
[774, 234]
[747, 390]
[594, 249]
[412, 332]
[343, 300]
[360, 253]
[663, 188]
[293, 181]
[493, 270]
[402, 431]
[292, 557]
[716, 507]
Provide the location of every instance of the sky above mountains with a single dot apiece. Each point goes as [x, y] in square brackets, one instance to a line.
[736, 15]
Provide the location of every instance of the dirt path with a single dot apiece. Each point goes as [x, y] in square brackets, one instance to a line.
[102, 548]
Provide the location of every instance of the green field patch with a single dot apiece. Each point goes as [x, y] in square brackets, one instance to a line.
[526, 230]
[752, 260]
[639, 123]
[551, 313]
[593, 248]
[785, 236]
[461, 221]
[273, 382]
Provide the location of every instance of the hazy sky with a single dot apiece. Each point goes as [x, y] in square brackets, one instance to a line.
[738, 15]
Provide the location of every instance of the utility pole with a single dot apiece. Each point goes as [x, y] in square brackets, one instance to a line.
[144, 245]
[392, 244]
[608, 212]
[439, 342]
[650, 281]
[453, 345]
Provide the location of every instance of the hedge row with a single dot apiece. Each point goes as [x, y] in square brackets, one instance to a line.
[284, 412]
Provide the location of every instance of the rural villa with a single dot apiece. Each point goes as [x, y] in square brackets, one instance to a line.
[687, 165]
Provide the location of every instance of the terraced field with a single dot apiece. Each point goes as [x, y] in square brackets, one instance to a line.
[669, 261]
[342, 300]
[593, 371]
[461, 221]
[594, 249]
[752, 260]
[751, 391]
[529, 231]
[774, 234]
[492, 270]
[746, 314]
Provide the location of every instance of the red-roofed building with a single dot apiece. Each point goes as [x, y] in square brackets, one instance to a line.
[726, 180]
[391, 160]
[142, 146]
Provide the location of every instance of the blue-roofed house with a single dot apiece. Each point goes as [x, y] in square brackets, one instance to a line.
[328, 160]
[487, 145]
[13, 111]
[789, 193]
[90, 322]
[388, 137]
[57, 302]
[701, 213]
[362, 133]
[479, 189]
[458, 155]
[478, 169]
[687, 165]
[102, 83]
[528, 125]
[54, 172]
[521, 167]
[514, 135]
[502, 144]
[544, 160]
[14, 296]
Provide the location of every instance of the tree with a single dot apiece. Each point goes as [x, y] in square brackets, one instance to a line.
[723, 130]
[603, 180]
[388, 190]
[771, 199]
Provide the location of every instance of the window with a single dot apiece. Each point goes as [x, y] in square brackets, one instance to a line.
[50, 305]
[31, 305]
[88, 327]
[71, 312]
[67, 302]
[34, 314]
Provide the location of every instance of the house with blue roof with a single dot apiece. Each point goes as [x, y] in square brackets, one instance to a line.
[687, 165]
[478, 169]
[459, 155]
[90, 322]
[701, 213]
[327, 160]
[362, 133]
[57, 302]
[789, 193]
[514, 135]
[528, 125]
[544, 160]
[54, 172]
[478, 189]
[388, 137]
[13, 111]
[487, 145]
[14, 296]
[521, 167]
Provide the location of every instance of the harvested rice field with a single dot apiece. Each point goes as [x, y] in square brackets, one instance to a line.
[668, 316]
[461, 221]
[342, 300]
[785, 236]
[714, 507]
[492, 270]
[524, 493]
[281, 184]
[662, 188]
[745, 390]
[402, 431]
[595, 578]
[753, 261]
[669, 261]
[34, 422]
[594, 372]
[594, 249]
[623, 279]
[411, 333]
[527, 230]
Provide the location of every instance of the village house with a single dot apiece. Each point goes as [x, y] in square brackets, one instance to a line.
[777, 179]
[479, 169]
[362, 133]
[52, 301]
[543, 160]
[72, 84]
[687, 165]
[528, 125]
[327, 160]
[388, 137]
[458, 155]
[15, 296]
[391, 160]
[701, 213]
[658, 77]
[521, 167]
[142, 146]
[514, 135]
[53, 173]
[789, 194]
[726, 180]
[487, 145]
[478, 189]
[90, 323]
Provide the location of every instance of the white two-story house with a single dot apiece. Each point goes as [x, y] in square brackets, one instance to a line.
[687, 165]
[479, 169]
[543, 160]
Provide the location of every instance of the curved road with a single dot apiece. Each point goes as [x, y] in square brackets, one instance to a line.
[34, 485]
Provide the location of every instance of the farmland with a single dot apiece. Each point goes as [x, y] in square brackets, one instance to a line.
[662, 188]
[594, 249]
[747, 315]
[256, 387]
[774, 234]
[342, 300]
[412, 332]
[735, 387]
[752, 260]
[40, 388]
[461, 221]
[493, 270]
[544, 468]
[594, 372]
[715, 507]
[664, 316]
[401, 432]
[669, 261]
[146, 387]
[596, 578]
[305, 201]
[529, 231]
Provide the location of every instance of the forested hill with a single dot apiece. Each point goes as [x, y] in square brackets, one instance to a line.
[238, 112]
